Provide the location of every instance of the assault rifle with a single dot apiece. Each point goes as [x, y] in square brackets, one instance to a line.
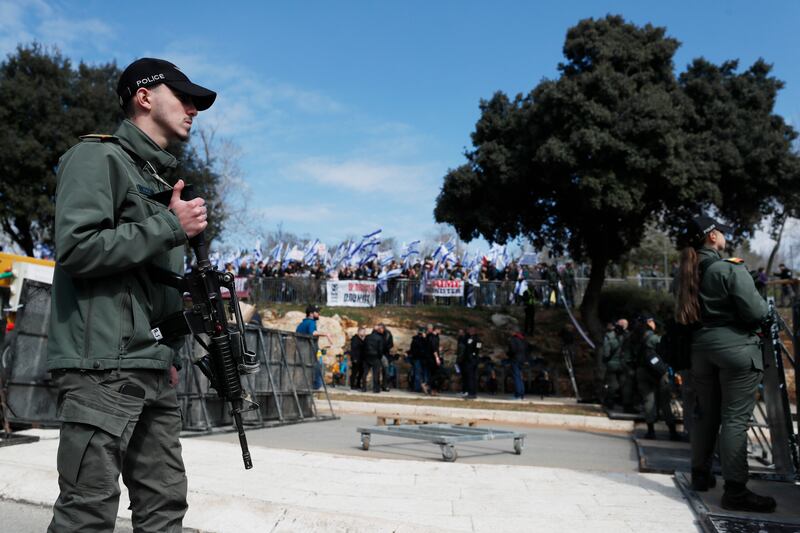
[228, 356]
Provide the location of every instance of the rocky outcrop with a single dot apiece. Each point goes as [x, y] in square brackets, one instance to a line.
[341, 329]
[504, 321]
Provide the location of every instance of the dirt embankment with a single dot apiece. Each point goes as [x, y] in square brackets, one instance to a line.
[494, 327]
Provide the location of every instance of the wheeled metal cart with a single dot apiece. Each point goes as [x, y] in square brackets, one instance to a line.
[445, 435]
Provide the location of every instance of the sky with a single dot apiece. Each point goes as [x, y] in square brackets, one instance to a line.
[348, 114]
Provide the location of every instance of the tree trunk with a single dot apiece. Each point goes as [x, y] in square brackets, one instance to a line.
[591, 299]
[20, 232]
[777, 235]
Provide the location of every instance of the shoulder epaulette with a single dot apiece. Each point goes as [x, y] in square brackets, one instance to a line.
[98, 137]
[734, 260]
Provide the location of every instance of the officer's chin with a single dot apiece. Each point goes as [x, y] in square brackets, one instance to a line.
[182, 134]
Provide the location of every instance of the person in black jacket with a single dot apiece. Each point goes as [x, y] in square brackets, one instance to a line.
[357, 358]
[517, 353]
[461, 346]
[417, 354]
[471, 360]
[373, 351]
[432, 361]
[386, 357]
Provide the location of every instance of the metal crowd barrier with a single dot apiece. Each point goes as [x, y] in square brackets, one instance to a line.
[283, 389]
[774, 434]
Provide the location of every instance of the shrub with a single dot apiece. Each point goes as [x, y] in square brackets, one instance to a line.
[629, 301]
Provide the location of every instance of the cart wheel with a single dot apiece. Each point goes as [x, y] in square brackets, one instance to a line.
[365, 441]
[518, 445]
[449, 453]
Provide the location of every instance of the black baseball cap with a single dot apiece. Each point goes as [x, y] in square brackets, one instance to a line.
[701, 226]
[312, 309]
[149, 72]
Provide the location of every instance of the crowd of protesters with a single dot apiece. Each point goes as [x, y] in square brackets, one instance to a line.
[428, 268]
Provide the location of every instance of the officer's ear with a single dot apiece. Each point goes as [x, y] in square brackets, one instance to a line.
[142, 100]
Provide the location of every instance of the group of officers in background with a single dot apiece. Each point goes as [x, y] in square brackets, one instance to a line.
[633, 368]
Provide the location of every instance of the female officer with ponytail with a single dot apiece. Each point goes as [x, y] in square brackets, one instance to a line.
[719, 298]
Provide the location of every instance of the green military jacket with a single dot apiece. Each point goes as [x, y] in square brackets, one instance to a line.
[731, 308]
[648, 347]
[107, 230]
[612, 347]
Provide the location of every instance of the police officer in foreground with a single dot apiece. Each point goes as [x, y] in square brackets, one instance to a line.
[117, 402]
[719, 297]
[652, 380]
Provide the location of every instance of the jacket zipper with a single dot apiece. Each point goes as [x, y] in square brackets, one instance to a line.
[87, 340]
[126, 312]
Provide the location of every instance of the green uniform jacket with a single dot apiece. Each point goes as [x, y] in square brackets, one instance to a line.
[648, 348]
[612, 347]
[731, 309]
[107, 230]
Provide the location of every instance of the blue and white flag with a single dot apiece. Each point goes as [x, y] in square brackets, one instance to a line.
[257, 251]
[409, 251]
[385, 276]
[275, 253]
[385, 258]
[310, 251]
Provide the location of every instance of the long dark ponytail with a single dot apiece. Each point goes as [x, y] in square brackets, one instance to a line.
[687, 304]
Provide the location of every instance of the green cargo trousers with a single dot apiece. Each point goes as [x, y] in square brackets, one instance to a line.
[725, 389]
[621, 380]
[655, 395]
[116, 422]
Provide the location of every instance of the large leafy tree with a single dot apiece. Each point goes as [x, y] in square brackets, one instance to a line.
[749, 168]
[45, 105]
[586, 162]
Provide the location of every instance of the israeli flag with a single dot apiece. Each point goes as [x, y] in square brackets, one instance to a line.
[310, 251]
[275, 254]
[387, 259]
[409, 251]
[385, 276]
[257, 251]
[367, 258]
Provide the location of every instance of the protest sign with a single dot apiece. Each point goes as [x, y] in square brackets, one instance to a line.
[351, 293]
[448, 288]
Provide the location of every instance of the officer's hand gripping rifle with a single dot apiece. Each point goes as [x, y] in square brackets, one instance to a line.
[228, 356]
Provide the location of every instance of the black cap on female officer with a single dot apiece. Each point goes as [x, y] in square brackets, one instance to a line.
[699, 232]
[148, 72]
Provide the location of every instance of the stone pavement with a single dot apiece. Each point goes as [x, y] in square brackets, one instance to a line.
[296, 491]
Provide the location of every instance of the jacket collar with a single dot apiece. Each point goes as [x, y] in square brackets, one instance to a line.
[138, 142]
[707, 256]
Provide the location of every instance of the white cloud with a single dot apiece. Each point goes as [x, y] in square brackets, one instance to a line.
[363, 175]
[65, 32]
[24, 21]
